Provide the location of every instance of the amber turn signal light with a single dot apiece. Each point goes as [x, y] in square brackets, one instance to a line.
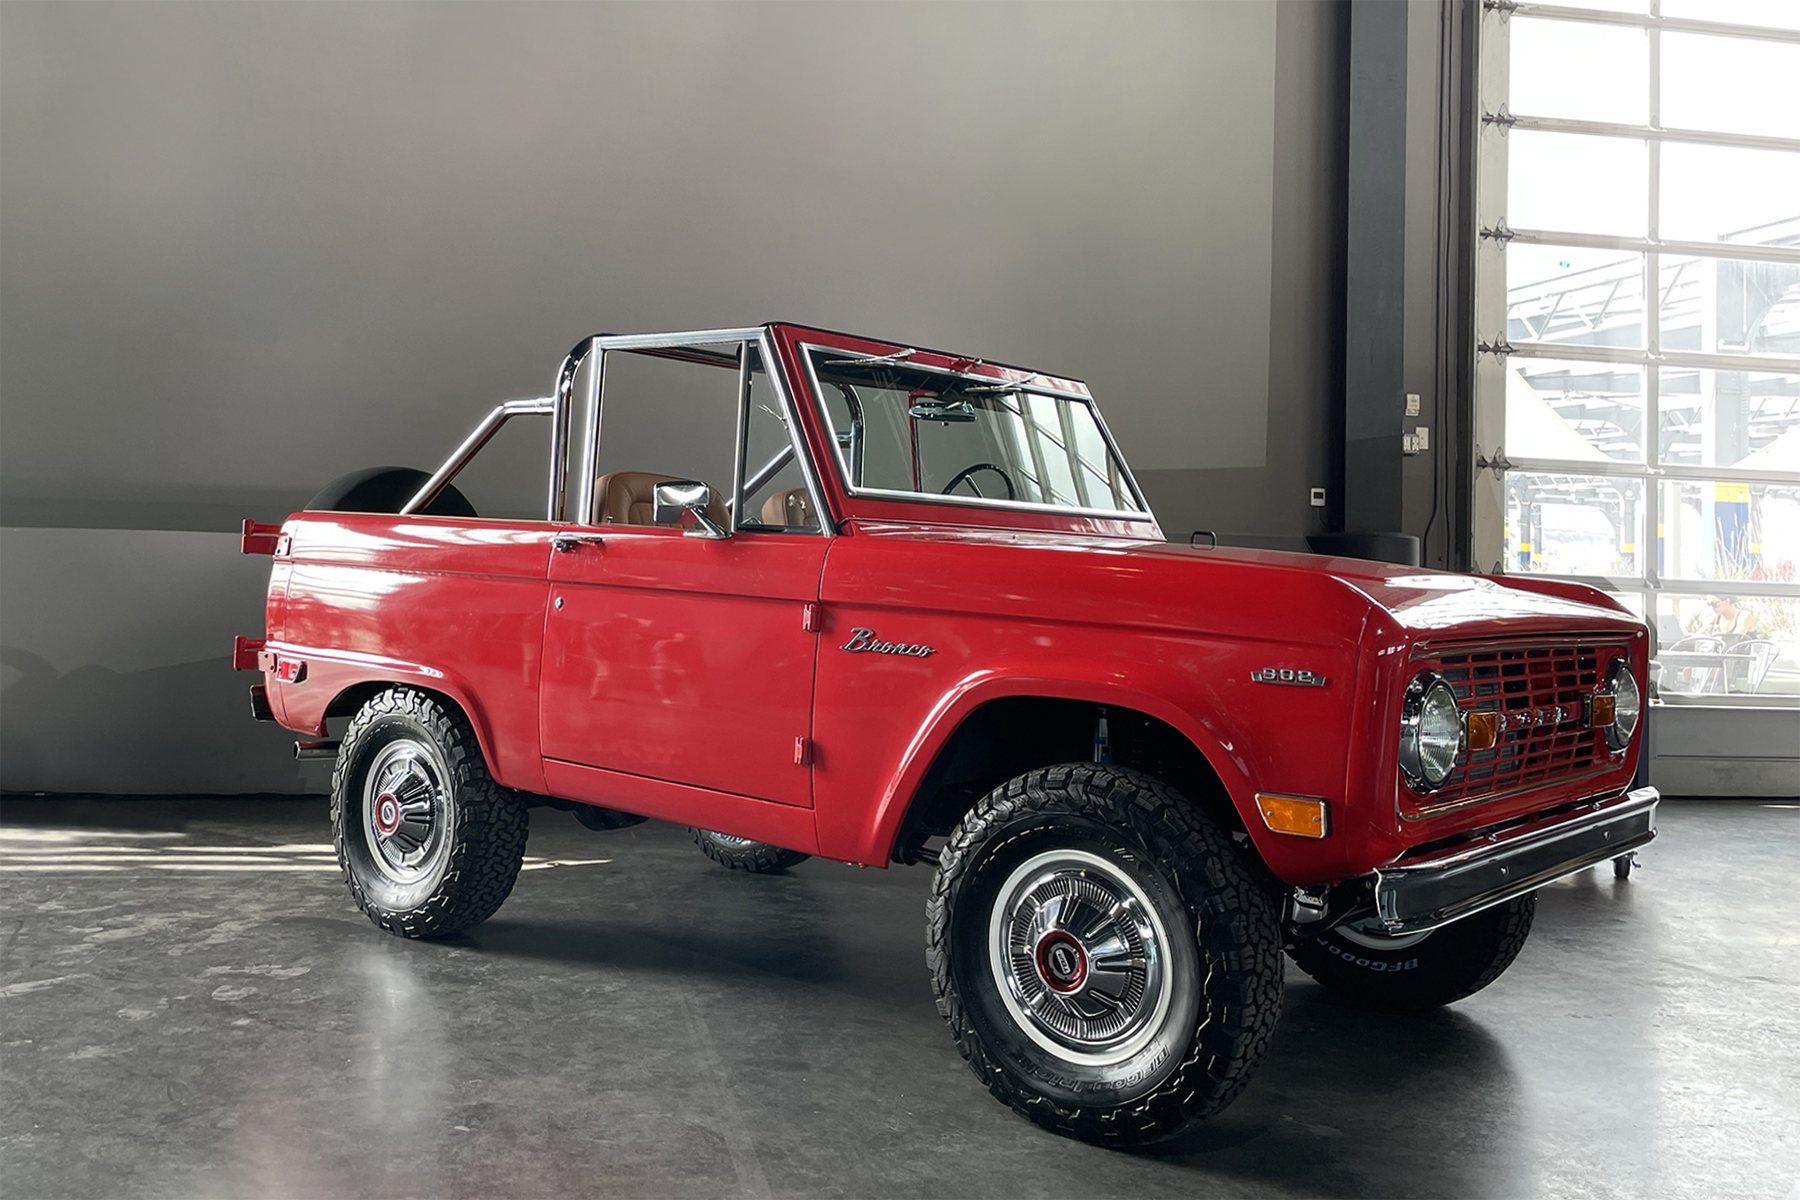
[1605, 710]
[1483, 730]
[1301, 816]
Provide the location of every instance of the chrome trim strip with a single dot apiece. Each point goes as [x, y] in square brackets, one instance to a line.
[1424, 895]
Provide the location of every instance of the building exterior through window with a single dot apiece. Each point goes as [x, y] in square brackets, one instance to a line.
[1637, 406]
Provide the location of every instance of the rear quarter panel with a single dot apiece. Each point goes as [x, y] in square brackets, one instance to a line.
[451, 605]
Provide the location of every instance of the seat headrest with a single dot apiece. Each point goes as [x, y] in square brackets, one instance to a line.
[792, 507]
[629, 498]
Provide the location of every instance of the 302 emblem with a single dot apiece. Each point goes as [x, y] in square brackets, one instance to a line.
[1285, 675]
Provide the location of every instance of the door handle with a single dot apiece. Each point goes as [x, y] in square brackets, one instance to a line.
[565, 543]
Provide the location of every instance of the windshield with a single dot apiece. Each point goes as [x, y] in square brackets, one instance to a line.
[916, 431]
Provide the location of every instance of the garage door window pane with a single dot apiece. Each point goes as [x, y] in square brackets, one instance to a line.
[1576, 183]
[1744, 419]
[1572, 524]
[1725, 193]
[1731, 85]
[1580, 71]
[1698, 656]
[1731, 531]
[1772, 14]
[1574, 296]
[1731, 306]
[1573, 411]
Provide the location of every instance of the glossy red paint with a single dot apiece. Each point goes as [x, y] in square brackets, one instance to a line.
[723, 683]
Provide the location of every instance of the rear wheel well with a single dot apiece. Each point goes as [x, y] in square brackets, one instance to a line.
[1008, 737]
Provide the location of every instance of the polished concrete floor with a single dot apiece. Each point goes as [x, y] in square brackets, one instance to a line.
[190, 1006]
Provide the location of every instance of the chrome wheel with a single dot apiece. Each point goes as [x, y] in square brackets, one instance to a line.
[732, 840]
[405, 811]
[1080, 957]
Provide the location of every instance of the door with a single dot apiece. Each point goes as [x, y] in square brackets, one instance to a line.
[681, 658]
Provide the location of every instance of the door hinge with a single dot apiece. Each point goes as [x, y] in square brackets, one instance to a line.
[803, 752]
[812, 617]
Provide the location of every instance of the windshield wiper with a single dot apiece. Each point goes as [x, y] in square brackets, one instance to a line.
[986, 389]
[896, 357]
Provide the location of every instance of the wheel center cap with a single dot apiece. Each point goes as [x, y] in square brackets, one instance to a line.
[387, 812]
[1062, 962]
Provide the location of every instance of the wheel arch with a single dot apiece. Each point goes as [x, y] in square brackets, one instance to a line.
[994, 729]
[349, 698]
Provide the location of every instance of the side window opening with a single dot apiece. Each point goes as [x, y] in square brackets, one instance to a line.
[664, 418]
[673, 413]
[775, 491]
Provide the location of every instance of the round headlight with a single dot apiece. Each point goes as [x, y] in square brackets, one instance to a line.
[1628, 704]
[1430, 731]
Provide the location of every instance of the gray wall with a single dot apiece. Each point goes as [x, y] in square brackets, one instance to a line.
[244, 249]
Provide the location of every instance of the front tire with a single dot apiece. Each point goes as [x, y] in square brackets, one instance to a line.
[1360, 967]
[1107, 963]
[743, 854]
[428, 842]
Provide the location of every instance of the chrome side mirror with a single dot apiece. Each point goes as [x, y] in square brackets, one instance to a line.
[679, 497]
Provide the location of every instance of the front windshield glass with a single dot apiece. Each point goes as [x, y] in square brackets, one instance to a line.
[912, 430]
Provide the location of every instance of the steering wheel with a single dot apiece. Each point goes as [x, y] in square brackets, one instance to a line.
[963, 476]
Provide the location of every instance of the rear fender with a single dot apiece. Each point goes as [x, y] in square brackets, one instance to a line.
[330, 674]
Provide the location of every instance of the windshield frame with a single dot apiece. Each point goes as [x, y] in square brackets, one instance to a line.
[1035, 383]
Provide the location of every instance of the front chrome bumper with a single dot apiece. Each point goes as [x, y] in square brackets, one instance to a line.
[1424, 895]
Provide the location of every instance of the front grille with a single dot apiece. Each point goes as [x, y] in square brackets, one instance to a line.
[1541, 690]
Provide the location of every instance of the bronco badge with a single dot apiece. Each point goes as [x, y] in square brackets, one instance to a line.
[864, 641]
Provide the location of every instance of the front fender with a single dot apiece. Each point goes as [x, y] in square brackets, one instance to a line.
[873, 841]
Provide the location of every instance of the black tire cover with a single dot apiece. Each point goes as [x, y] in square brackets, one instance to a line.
[386, 490]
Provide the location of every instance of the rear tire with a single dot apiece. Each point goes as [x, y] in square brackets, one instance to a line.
[428, 842]
[1362, 968]
[742, 854]
[1107, 963]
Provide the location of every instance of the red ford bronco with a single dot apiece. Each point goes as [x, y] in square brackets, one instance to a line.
[818, 594]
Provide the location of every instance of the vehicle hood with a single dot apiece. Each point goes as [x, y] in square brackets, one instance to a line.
[1424, 599]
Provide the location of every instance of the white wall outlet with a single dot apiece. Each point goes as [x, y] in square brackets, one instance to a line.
[1317, 498]
[1412, 404]
[1422, 437]
[1409, 444]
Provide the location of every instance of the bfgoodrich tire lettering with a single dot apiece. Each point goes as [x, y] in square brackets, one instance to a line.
[428, 842]
[1361, 969]
[1198, 939]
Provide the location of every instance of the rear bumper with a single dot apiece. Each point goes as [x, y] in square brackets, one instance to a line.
[1424, 895]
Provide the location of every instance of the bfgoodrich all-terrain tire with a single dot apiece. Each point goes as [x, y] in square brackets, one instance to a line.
[1362, 968]
[742, 854]
[1107, 963]
[429, 844]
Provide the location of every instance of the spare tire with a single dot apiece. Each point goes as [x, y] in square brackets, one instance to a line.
[386, 490]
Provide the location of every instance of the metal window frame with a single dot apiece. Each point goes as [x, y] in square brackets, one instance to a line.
[1493, 122]
[807, 349]
[667, 345]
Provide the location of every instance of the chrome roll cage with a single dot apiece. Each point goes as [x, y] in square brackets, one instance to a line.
[563, 406]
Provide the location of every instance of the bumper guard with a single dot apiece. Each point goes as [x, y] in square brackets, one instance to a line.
[1424, 895]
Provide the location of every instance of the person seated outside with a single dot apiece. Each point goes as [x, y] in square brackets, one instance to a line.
[1729, 623]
